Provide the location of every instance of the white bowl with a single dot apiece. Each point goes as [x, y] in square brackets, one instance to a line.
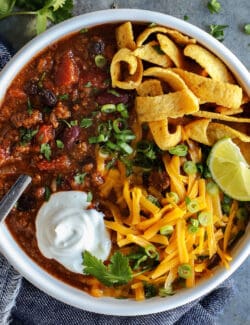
[30, 270]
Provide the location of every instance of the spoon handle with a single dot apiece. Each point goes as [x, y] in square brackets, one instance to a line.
[13, 195]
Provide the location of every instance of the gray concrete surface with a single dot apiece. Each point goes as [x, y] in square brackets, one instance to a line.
[233, 13]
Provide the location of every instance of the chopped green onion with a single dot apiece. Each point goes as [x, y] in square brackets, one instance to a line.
[166, 230]
[100, 61]
[79, 178]
[108, 108]
[163, 292]
[147, 148]
[113, 92]
[151, 251]
[186, 17]
[185, 270]
[119, 125]
[194, 226]
[212, 188]
[242, 213]
[125, 136]
[29, 106]
[98, 139]
[59, 144]
[189, 167]
[47, 193]
[205, 218]
[180, 150]
[86, 123]
[63, 96]
[89, 196]
[83, 30]
[217, 31]
[173, 196]
[122, 109]
[200, 168]
[125, 147]
[154, 200]
[112, 146]
[225, 208]
[192, 205]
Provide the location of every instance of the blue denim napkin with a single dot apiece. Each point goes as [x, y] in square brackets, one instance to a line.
[23, 304]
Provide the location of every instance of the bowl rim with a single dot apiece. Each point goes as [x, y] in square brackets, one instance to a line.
[24, 264]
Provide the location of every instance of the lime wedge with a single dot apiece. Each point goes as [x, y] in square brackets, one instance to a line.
[230, 170]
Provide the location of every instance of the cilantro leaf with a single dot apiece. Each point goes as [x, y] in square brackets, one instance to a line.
[117, 273]
[45, 149]
[247, 29]
[214, 6]
[6, 6]
[50, 10]
[217, 31]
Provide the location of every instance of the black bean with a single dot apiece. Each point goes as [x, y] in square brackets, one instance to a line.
[70, 136]
[48, 97]
[96, 46]
[31, 87]
[26, 203]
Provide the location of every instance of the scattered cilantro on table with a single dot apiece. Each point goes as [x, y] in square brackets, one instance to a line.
[44, 11]
[214, 6]
[217, 31]
[118, 272]
[247, 29]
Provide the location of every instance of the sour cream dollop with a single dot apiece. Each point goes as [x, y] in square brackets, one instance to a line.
[65, 228]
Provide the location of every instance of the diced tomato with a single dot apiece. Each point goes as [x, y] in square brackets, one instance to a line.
[67, 72]
[45, 134]
[59, 164]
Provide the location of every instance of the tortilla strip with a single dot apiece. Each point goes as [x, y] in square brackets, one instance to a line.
[149, 53]
[159, 129]
[228, 111]
[150, 87]
[218, 116]
[216, 69]
[167, 75]
[171, 49]
[197, 131]
[163, 138]
[175, 35]
[125, 36]
[161, 107]
[212, 91]
[217, 131]
[135, 70]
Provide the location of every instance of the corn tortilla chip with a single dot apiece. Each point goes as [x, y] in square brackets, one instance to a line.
[135, 70]
[212, 91]
[150, 87]
[161, 107]
[125, 36]
[217, 131]
[166, 75]
[217, 116]
[175, 35]
[150, 53]
[163, 138]
[171, 49]
[197, 131]
[216, 69]
[228, 111]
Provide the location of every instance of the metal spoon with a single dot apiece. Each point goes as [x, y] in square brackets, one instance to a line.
[11, 197]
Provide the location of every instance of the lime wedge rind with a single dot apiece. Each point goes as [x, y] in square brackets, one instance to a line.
[230, 170]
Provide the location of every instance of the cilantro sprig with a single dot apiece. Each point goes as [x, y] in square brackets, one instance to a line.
[217, 31]
[118, 272]
[214, 6]
[54, 11]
